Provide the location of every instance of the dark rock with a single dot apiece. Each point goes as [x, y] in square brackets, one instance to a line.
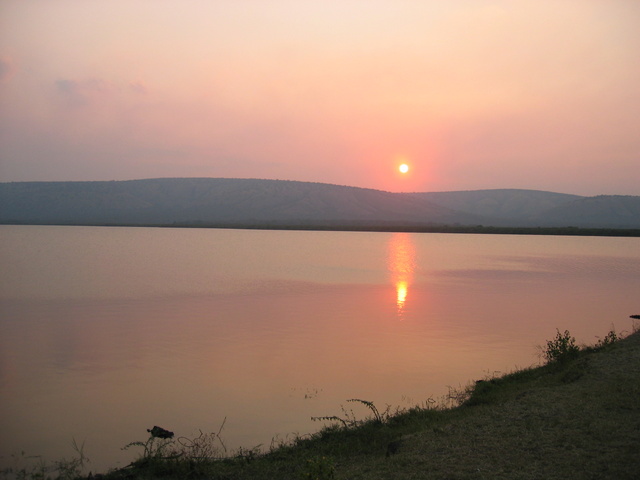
[159, 432]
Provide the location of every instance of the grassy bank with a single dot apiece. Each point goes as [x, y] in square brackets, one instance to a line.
[578, 417]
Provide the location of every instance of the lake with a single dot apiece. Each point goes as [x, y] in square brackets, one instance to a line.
[106, 332]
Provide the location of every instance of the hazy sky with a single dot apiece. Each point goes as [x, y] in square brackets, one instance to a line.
[472, 94]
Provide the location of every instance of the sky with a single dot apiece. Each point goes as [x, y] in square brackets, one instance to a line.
[471, 94]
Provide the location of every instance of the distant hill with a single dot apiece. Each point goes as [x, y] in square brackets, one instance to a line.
[533, 208]
[214, 201]
[602, 211]
[505, 204]
[278, 203]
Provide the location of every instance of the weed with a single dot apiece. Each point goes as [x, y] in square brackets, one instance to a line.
[609, 339]
[154, 448]
[377, 416]
[203, 447]
[248, 455]
[36, 468]
[25, 467]
[561, 349]
[351, 421]
[346, 423]
[69, 469]
[162, 455]
[457, 396]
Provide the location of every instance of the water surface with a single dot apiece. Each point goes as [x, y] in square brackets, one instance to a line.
[105, 332]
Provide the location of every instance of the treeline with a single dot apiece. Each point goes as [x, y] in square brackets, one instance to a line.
[469, 229]
[378, 227]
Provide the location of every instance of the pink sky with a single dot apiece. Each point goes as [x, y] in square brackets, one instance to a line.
[472, 94]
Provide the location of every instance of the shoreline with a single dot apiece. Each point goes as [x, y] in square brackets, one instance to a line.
[574, 417]
[454, 229]
[577, 416]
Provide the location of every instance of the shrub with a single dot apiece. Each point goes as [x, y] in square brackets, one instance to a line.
[609, 339]
[561, 348]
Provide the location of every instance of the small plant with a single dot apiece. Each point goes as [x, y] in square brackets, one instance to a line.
[561, 348]
[25, 467]
[36, 468]
[181, 457]
[377, 416]
[203, 448]
[609, 339]
[70, 469]
[155, 448]
[457, 396]
[350, 420]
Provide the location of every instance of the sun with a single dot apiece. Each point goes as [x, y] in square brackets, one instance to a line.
[404, 168]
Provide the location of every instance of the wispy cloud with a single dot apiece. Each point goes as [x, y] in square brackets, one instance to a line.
[79, 92]
[7, 67]
[138, 87]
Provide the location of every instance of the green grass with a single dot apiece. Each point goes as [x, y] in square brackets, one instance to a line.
[577, 416]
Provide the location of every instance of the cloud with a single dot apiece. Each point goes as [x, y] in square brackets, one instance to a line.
[138, 87]
[7, 68]
[80, 92]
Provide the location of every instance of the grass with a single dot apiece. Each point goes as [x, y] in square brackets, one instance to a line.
[577, 416]
[35, 468]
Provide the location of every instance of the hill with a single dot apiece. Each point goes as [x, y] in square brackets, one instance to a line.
[213, 201]
[603, 211]
[534, 208]
[279, 203]
[506, 204]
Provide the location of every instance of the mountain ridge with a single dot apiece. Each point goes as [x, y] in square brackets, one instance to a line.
[277, 203]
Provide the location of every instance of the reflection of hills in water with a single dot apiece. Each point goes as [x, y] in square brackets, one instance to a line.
[402, 262]
[278, 203]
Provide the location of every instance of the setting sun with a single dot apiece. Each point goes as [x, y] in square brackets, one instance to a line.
[404, 168]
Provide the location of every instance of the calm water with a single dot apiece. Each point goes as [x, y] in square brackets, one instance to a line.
[105, 332]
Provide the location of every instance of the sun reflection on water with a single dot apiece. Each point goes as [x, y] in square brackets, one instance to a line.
[401, 264]
[401, 293]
